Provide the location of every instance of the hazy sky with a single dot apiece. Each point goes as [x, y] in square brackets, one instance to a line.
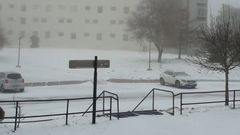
[215, 5]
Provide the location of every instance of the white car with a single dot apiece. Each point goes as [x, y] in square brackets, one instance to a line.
[178, 79]
[11, 81]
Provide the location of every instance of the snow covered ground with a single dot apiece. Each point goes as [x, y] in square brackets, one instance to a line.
[52, 65]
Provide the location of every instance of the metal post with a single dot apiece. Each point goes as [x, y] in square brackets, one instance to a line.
[94, 91]
[181, 103]
[19, 46]
[118, 108]
[103, 103]
[16, 116]
[173, 104]
[149, 57]
[110, 108]
[153, 101]
[234, 98]
[67, 112]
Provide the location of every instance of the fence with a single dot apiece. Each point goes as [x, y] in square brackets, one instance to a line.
[183, 94]
[17, 117]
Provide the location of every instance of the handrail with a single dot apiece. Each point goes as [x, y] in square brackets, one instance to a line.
[152, 91]
[103, 93]
[17, 117]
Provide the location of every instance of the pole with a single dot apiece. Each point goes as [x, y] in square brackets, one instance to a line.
[19, 46]
[94, 91]
[149, 57]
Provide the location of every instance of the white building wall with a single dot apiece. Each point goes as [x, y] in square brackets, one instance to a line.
[96, 23]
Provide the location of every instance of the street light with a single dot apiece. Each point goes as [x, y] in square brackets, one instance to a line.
[149, 56]
[19, 46]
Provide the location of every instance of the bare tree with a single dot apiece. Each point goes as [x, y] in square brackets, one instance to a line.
[157, 21]
[2, 39]
[220, 50]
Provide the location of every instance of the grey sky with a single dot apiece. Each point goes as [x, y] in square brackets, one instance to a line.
[215, 5]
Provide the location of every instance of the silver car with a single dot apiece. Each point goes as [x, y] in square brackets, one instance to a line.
[11, 81]
[178, 79]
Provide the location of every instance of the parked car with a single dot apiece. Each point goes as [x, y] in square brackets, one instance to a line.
[11, 81]
[178, 79]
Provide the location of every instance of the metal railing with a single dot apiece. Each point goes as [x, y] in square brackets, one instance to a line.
[182, 103]
[153, 99]
[103, 96]
[17, 117]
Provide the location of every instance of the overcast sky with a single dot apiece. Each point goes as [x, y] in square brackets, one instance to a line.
[215, 5]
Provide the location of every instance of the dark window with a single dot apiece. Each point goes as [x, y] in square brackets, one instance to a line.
[87, 21]
[112, 35]
[126, 10]
[86, 34]
[36, 20]
[73, 35]
[10, 19]
[14, 76]
[23, 8]
[125, 37]
[113, 22]
[10, 32]
[100, 9]
[95, 21]
[11, 5]
[48, 8]
[47, 34]
[61, 20]
[60, 34]
[113, 8]
[87, 8]
[69, 20]
[43, 20]
[22, 33]
[99, 36]
[121, 21]
[23, 20]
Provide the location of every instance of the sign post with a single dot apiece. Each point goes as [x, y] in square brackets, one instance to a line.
[76, 64]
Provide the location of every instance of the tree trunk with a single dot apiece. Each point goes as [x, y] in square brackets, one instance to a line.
[179, 52]
[226, 88]
[160, 51]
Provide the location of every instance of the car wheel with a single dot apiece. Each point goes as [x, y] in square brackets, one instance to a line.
[2, 89]
[162, 82]
[177, 84]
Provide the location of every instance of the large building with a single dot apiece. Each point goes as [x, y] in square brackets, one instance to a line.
[77, 23]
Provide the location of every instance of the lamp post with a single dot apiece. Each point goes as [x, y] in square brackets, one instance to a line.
[149, 56]
[19, 47]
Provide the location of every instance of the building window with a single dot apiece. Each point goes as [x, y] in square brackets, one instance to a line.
[99, 36]
[73, 35]
[86, 34]
[74, 8]
[121, 22]
[36, 20]
[9, 32]
[61, 20]
[87, 21]
[87, 8]
[47, 35]
[48, 8]
[61, 7]
[10, 19]
[100, 9]
[95, 21]
[125, 37]
[69, 20]
[43, 20]
[11, 5]
[112, 35]
[113, 22]
[113, 8]
[23, 20]
[60, 34]
[23, 8]
[126, 10]
[22, 33]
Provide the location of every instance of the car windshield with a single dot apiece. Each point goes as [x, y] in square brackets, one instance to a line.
[181, 74]
[14, 76]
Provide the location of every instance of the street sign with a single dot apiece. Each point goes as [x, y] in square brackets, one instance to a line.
[88, 64]
[75, 64]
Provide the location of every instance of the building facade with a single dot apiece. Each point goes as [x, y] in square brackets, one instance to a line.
[77, 23]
